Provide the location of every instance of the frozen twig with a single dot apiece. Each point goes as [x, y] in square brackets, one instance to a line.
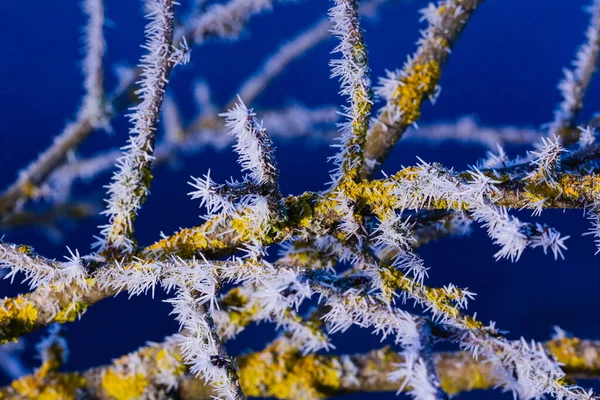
[404, 91]
[353, 72]
[26, 186]
[131, 182]
[577, 80]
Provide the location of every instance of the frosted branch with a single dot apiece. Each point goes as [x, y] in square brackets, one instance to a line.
[223, 20]
[131, 182]
[577, 80]
[27, 185]
[353, 72]
[354, 373]
[202, 348]
[405, 90]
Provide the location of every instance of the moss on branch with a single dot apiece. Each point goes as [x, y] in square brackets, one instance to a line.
[307, 214]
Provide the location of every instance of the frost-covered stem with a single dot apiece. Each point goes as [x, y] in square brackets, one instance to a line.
[545, 161]
[172, 124]
[353, 72]
[294, 49]
[573, 191]
[518, 194]
[288, 123]
[91, 114]
[93, 102]
[577, 80]
[232, 368]
[264, 170]
[222, 20]
[200, 344]
[406, 90]
[43, 306]
[432, 225]
[426, 354]
[231, 388]
[26, 186]
[256, 154]
[131, 182]
[468, 130]
[237, 14]
[23, 260]
[525, 368]
[310, 213]
[444, 303]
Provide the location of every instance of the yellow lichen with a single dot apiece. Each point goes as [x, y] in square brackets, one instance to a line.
[71, 312]
[304, 215]
[442, 42]
[285, 374]
[124, 387]
[167, 361]
[17, 316]
[565, 352]
[47, 384]
[566, 187]
[29, 189]
[235, 304]
[25, 249]
[475, 380]
[419, 81]
[187, 242]
[60, 387]
[439, 299]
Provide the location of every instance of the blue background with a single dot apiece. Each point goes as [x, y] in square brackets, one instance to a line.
[504, 70]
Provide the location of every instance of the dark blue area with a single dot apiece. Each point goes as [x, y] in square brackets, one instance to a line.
[504, 70]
